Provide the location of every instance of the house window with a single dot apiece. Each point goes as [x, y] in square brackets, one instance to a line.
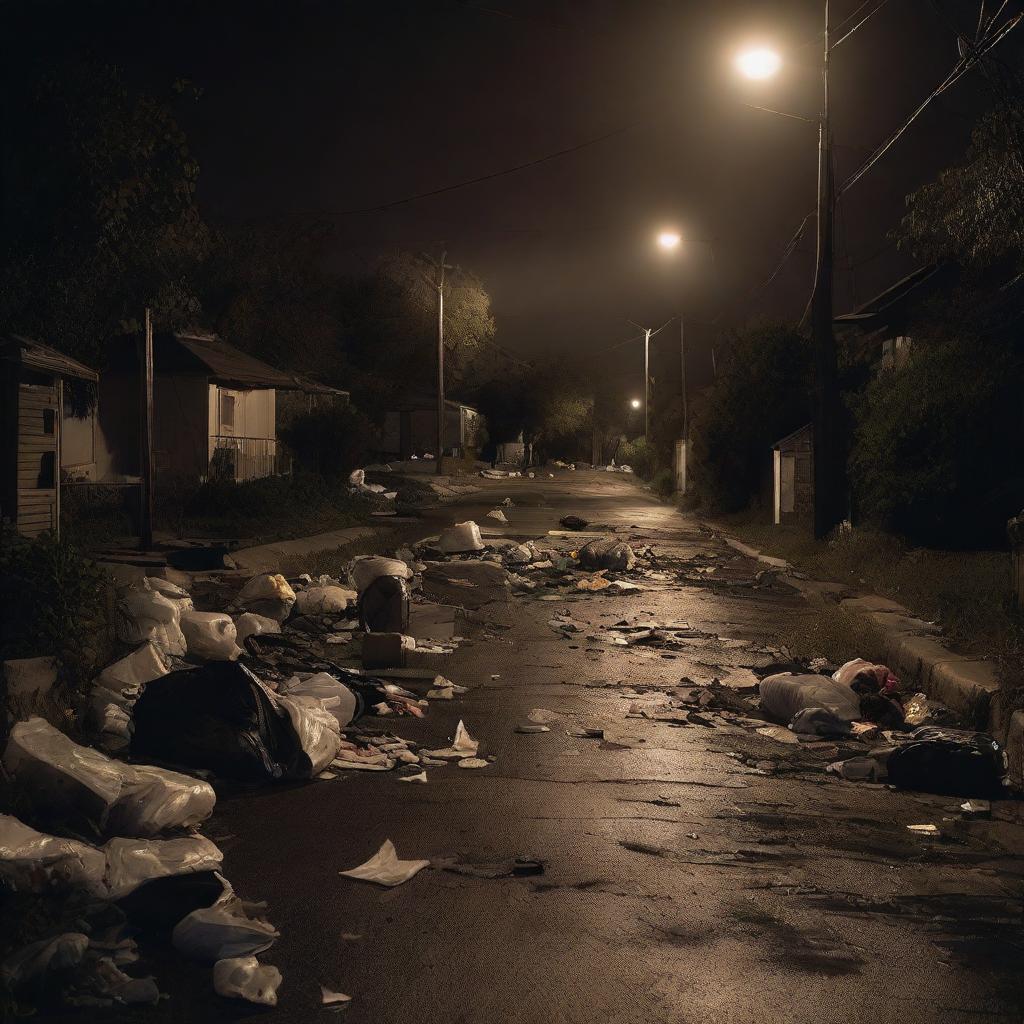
[49, 421]
[227, 410]
[47, 478]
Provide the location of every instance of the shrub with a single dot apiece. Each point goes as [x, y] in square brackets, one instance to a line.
[640, 456]
[762, 392]
[664, 483]
[331, 441]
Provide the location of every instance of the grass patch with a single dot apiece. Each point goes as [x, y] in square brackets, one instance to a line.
[967, 592]
[334, 561]
[834, 635]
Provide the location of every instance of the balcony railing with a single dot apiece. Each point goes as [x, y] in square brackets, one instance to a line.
[247, 458]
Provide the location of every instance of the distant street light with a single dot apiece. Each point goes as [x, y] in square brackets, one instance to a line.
[669, 239]
[635, 403]
[759, 63]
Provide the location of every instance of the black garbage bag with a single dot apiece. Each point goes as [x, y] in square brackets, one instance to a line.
[384, 606]
[218, 716]
[160, 904]
[950, 762]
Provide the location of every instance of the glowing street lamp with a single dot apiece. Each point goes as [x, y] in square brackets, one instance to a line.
[635, 403]
[669, 239]
[759, 63]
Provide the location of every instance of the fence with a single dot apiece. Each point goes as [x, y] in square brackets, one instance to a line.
[247, 458]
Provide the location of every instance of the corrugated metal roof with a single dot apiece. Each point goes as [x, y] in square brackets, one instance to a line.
[44, 358]
[196, 351]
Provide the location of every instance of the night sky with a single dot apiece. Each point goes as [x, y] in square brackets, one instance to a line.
[311, 110]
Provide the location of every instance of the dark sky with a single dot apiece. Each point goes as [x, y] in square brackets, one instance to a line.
[317, 108]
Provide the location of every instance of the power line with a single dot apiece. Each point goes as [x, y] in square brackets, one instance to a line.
[866, 17]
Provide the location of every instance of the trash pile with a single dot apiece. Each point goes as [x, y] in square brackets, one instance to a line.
[284, 684]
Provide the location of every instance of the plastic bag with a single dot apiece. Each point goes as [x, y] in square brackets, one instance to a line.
[31, 963]
[131, 672]
[210, 636]
[357, 477]
[866, 677]
[334, 696]
[607, 554]
[268, 594]
[318, 735]
[324, 600]
[88, 787]
[145, 614]
[179, 595]
[365, 570]
[244, 977]
[786, 694]
[950, 762]
[461, 537]
[32, 861]
[133, 862]
[250, 624]
[230, 928]
[385, 868]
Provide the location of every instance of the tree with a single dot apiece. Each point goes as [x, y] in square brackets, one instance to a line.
[99, 213]
[762, 392]
[389, 325]
[974, 212]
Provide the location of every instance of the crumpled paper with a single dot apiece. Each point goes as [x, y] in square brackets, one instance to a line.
[462, 746]
[385, 868]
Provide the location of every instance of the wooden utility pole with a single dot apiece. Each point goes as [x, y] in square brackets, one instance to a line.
[440, 364]
[682, 377]
[146, 435]
[829, 498]
[647, 384]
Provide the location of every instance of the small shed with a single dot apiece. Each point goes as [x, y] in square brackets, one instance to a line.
[793, 477]
[32, 379]
[410, 427]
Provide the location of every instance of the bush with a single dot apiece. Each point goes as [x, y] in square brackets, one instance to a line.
[664, 483]
[939, 444]
[54, 601]
[331, 441]
[640, 456]
[762, 393]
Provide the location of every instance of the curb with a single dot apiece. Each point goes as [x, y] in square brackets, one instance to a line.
[268, 557]
[967, 685]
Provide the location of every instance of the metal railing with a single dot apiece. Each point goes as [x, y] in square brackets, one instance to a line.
[247, 458]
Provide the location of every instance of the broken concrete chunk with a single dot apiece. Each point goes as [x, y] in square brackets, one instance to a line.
[460, 538]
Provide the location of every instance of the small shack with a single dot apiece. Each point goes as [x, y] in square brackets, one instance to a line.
[793, 477]
[32, 377]
[410, 428]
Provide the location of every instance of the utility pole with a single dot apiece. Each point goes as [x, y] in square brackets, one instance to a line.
[647, 384]
[440, 363]
[682, 377]
[146, 435]
[829, 504]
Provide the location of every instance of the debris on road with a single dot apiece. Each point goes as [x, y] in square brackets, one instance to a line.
[230, 928]
[385, 868]
[329, 997]
[244, 977]
[463, 745]
[461, 537]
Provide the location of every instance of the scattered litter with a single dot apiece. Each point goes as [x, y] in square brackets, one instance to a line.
[385, 868]
[328, 997]
[230, 928]
[370, 567]
[543, 716]
[952, 762]
[785, 694]
[778, 733]
[324, 600]
[469, 584]
[976, 808]
[145, 614]
[131, 863]
[593, 583]
[531, 728]
[250, 624]
[463, 745]
[521, 867]
[497, 515]
[924, 830]
[210, 636]
[420, 777]
[32, 861]
[573, 523]
[607, 554]
[268, 594]
[473, 762]
[31, 964]
[922, 710]
[585, 734]
[244, 977]
[460, 538]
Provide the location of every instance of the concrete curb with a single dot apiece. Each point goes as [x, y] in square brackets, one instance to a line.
[913, 649]
[268, 557]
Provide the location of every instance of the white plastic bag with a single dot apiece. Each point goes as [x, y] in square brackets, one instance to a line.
[133, 862]
[317, 732]
[461, 537]
[230, 928]
[357, 477]
[88, 786]
[250, 624]
[324, 600]
[244, 977]
[32, 861]
[365, 570]
[334, 696]
[179, 595]
[143, 665]
[210, 635]
[145, 614]
[267, 594]
[463, 745]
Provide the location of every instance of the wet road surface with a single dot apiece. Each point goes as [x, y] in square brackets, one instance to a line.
[691, 873]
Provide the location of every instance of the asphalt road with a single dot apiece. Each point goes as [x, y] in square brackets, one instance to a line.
[681, 882]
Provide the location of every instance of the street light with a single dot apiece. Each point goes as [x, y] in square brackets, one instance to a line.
[829, 501]
[669, 239]
[635, 403]
[758, 63]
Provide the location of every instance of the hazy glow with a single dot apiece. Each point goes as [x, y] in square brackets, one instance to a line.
[669, 239]
[759, 63]
[635, 403]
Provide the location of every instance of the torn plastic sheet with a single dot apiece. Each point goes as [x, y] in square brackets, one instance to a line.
[385, 868]
[329, 997]
[230, 928]
[463, 745]
[419, 777]
[133, 862]
[244, 977]
[32, 861]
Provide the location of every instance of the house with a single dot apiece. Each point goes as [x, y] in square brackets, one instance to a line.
[214, 411]
[793, 477]
[410, 428]
[32, 377]
[883, 324]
